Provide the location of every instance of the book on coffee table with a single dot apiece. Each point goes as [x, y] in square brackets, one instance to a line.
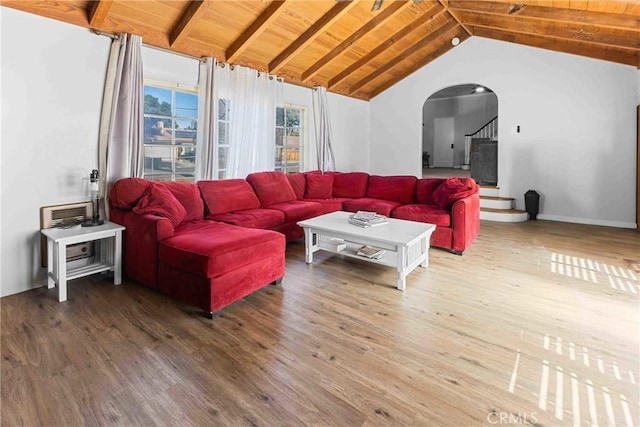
[367, 219]
[371, 252]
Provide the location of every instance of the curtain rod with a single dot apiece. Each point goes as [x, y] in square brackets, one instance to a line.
[220, 64]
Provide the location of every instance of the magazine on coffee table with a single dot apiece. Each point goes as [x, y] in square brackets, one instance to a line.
[367, 219]
[371, 252]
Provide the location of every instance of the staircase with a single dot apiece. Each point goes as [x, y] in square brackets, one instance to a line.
[499, 209]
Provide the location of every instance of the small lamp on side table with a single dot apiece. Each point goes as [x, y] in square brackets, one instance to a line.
[94, 189]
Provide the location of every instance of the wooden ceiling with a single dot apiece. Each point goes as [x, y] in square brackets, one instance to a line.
[344, 45]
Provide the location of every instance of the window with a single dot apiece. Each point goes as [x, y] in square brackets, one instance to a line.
[289, 139]
[224, 115]
[170, 128]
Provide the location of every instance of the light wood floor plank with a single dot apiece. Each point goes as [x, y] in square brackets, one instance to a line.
[538, 323]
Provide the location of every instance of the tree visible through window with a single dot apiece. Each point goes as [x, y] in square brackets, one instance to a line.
[170, 129]
[289, 139]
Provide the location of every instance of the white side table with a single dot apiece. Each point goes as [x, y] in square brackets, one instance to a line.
[108, 253]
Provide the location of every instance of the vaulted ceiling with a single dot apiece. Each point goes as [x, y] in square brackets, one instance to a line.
[345, 45]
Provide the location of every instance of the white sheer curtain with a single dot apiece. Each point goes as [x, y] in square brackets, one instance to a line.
[120, 146]
[326, 160]
[206, 156]
[252, 98]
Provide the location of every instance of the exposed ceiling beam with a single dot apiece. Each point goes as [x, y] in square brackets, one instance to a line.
[98, 11]
[621, 56]
[434, 11]
[255, 29]
[569, 31]
[431, 38]
[381, 18]
[444, 48]
[445, 4]
[613, 20]
[186, 22]
[335, 13]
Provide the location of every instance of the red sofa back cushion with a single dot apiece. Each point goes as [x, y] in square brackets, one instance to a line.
[271, 187]
[228, 195]
[126, 192]
[159, 200]
[349, 184]
[298, 182]
[398, 188]
[188, 194]
[425, 188]
[453, 189]
[319, 187]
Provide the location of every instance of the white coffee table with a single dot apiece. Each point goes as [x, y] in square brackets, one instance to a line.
[406, 242]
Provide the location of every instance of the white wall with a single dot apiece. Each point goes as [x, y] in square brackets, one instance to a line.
[51, 96]
[577, 117]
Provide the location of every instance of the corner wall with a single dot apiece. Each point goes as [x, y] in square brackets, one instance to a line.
[577, 119]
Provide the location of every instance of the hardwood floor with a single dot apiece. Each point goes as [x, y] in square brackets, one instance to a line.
[538, 323]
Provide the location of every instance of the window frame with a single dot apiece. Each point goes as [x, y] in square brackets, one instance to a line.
[173, 146]
[297, 164]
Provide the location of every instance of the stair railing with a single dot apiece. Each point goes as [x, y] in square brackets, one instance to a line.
[488, 130]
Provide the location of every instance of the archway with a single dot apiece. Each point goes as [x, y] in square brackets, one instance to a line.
[452, 118]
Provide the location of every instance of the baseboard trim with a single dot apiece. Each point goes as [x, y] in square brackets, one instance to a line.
[587, 221]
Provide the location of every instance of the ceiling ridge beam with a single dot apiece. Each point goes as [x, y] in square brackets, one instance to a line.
[254, 30]
[599, 19]
[186, 22]
[576, 47]
[445, 4]
[408, 52]
[98, 11]
[431, 13]
[335, 13]
[395, 8]
[462, 35]
[573, 32]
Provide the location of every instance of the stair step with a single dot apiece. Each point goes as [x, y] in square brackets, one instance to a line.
[493, 202]
[503, 215]
[489, 190]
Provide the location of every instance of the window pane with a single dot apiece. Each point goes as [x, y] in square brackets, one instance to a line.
[157, 101]
[157, 131]
[222, 110]
[185, 131]
[222, 157]
[279, 137]
[279, 116]
[293, 117]
[185, 163]
[157, 160]
[222, 174]
[222, 133]
[186, 105]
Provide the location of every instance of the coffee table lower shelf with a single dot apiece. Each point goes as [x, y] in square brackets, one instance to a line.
[404, 250]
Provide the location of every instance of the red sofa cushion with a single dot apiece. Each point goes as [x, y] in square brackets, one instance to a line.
[158, 200]
[319, 187]
[425, 188]
[213, 249]
[349, 184]
[252, 218]
[189, 195]
[431, 214]
[227, 195]
[453, 189]
[399, 188]
[271, 187]
[126, 192]
[381, 207]
[298, 182]
[298, 210]
[330, 205]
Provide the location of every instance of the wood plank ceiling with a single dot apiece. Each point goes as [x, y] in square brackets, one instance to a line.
[346, 46]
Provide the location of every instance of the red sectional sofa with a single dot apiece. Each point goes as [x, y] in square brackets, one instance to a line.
[214, 242]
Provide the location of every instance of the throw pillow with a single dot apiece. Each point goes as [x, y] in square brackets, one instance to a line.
[451, 190]
[158, 200]
[319, 187]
